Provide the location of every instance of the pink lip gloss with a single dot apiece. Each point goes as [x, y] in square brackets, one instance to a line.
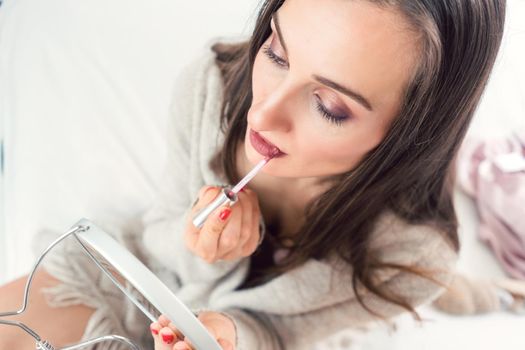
[230, 194]
[263, 146]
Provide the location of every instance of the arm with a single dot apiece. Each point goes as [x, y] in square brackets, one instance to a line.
[183, 177]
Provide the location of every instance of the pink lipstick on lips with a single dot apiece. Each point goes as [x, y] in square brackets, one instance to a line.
[263, 146]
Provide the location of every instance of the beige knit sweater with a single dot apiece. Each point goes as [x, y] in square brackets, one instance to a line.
[302, 306]
[292, 311]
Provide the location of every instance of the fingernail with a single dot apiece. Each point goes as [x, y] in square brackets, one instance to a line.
[242, 189]
[168, 338]
[225, 213]
[153, 330]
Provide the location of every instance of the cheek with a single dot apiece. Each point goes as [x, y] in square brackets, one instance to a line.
[339, 151]
[263, 77]
[320, 149]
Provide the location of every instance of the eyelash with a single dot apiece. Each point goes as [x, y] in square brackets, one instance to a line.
[273, 57]
[329, 116]
[337, 120]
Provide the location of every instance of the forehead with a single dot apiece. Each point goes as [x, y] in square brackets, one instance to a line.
[351, 42]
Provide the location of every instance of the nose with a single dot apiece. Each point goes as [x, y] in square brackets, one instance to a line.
[274, 112]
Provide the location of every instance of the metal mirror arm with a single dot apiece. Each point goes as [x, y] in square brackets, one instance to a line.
[117, 338]
[30, 278]
[42, 344]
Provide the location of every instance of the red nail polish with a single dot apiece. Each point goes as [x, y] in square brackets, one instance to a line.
[168, 338]
[225, 213]
[154, 331]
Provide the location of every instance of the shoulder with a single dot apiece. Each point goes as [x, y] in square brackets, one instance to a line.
[202, 75]
[194, 123]
[394, 242]
[196, 77]
[196, 100]
[426, 256]
[397, 241]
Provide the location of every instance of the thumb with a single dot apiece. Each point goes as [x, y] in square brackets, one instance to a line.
[225, 344]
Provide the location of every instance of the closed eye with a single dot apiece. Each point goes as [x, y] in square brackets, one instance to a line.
[281, 63]
[273, 57]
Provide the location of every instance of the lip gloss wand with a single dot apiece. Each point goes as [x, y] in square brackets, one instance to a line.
[227, 194]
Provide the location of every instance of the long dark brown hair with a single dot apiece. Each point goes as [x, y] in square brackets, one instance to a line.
[411, 171]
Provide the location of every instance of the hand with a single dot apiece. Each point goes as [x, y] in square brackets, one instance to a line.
[516, 289]
[168, 337]
[228, 233]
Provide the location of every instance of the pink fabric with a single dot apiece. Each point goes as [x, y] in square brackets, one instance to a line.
[492, 171]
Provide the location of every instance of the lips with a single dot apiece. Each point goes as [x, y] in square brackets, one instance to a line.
[263, 146]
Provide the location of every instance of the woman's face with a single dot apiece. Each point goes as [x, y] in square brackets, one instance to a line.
[327, 83]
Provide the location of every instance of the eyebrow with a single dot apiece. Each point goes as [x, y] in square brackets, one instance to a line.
[344, 90]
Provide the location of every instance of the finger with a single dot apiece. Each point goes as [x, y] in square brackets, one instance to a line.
[249, 206]
[163, 320]
[200, 194]
[208, 241]
[168, 339]
[155, 328]
[162, 323]
[206, 195]
[182, 345]
[225, 345]
[229, 238]
[175, 330]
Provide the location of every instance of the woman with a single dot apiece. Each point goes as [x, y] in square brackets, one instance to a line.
[377, 153]
[367, 103]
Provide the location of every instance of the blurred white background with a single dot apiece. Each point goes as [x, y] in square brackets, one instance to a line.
[84, 93]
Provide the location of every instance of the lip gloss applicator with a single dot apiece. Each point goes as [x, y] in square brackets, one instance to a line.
[229, 194]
